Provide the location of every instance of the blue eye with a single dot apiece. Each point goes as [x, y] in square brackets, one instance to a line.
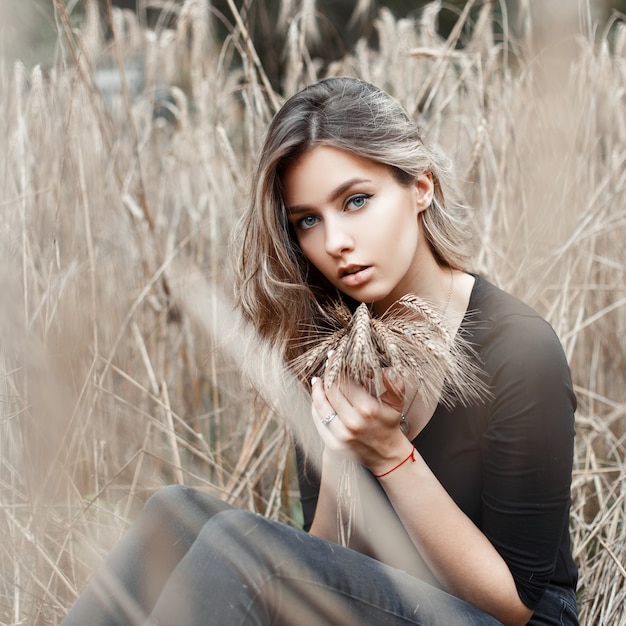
[308, 221]
[358, 201]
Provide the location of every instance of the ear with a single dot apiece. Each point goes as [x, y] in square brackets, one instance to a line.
[424, 191]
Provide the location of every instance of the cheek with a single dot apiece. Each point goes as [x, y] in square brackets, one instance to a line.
[311, 248]
[400, 225]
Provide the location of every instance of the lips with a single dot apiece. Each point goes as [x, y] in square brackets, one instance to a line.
[355, 275]
[351, 269]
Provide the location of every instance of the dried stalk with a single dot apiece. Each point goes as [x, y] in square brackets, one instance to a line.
[410, 338]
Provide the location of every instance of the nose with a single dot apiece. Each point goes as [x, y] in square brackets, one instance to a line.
[337, 239]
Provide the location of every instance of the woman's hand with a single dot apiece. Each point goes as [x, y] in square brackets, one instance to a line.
[356, 425]
[364, 428]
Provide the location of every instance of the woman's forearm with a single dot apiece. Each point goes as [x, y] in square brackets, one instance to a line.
[456, 551]
[326, 520]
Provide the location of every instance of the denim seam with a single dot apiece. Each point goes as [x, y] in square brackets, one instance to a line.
[271, 577]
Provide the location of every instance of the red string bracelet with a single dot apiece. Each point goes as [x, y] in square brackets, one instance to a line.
[411, 456]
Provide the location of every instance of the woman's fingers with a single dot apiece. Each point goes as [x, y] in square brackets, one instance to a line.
[360, 411]
[326, 418]
[355, 424]
[394, 390]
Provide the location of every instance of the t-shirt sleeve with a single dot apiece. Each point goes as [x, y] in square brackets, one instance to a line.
[527, 450]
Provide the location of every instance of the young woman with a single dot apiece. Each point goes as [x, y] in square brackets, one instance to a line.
[348, 203]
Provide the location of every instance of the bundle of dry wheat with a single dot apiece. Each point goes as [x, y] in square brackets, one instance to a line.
[410, 337]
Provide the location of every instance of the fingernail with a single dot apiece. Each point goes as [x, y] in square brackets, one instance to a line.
[391, 375]
[330, 353]
[314, 380]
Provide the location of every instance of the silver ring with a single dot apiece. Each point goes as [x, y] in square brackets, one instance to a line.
[328, 419]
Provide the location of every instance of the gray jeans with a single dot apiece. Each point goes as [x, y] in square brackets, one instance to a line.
[190, 559]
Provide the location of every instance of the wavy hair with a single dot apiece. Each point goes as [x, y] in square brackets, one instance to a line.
[278, 290]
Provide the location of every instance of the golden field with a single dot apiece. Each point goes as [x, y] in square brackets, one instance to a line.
[122, 366]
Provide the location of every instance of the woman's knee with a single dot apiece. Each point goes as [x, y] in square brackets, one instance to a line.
[177, 500]
[167, 499]
[245, 547]
[180, 511]
[249, 538]
[232, 523]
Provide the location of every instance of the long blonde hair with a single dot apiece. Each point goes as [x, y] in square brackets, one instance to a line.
[279, 291]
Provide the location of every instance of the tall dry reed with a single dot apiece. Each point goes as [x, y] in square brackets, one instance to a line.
[122, 366]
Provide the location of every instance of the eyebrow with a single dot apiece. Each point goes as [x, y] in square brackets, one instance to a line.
[336, 193]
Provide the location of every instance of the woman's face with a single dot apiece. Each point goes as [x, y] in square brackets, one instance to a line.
[358, 225]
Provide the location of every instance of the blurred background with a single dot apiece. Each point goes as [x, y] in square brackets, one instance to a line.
[28, 29]
[127, 135]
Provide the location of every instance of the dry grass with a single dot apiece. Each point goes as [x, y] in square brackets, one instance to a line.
[122, 366]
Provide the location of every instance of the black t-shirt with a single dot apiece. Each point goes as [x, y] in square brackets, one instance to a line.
[507, 462]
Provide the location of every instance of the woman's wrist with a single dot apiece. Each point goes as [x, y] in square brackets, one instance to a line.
[332, 463]
[399, 455]
[409, 458]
